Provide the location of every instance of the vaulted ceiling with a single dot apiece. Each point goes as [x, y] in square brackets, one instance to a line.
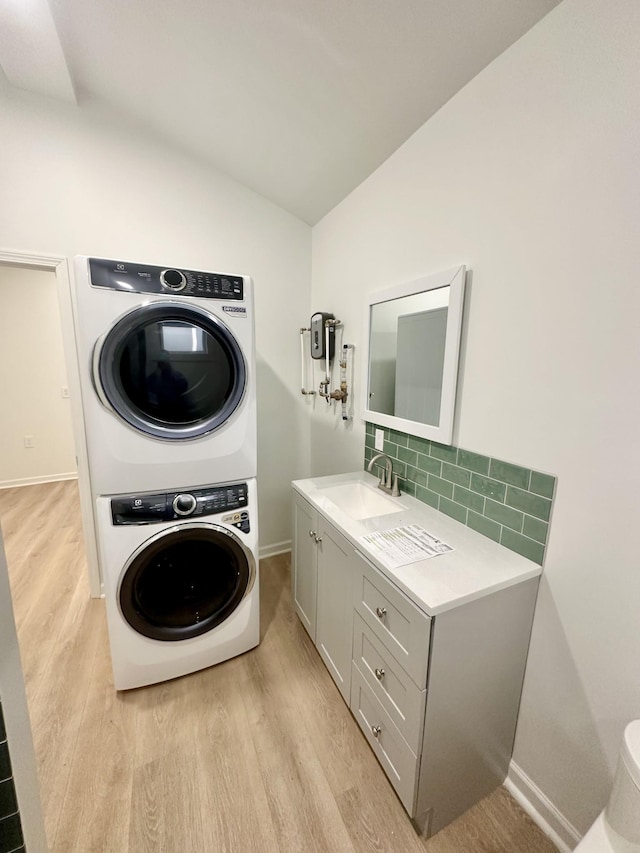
[299, 100]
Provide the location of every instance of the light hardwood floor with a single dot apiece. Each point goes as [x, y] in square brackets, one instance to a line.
[256, 754]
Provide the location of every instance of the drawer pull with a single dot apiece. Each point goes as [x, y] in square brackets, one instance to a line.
[377, 730]
[381, 612]
[379, 674]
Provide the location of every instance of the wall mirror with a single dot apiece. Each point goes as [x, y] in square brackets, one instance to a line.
[412, 368]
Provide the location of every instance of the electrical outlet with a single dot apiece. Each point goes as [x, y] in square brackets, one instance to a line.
[65, 392]
[379, 440]
[28, 441]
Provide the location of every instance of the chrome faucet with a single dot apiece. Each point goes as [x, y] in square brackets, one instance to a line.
[388, 480]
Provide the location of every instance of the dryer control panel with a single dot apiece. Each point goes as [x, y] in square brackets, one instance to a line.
[143, 278]
[147, 508]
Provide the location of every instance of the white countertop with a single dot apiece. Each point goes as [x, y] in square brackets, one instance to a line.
[476, 567]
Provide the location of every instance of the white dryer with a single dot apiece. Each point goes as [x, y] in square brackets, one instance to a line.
[167, 372]
[180, 579]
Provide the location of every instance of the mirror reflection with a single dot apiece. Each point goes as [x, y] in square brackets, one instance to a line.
[414, 338]
[406, 354]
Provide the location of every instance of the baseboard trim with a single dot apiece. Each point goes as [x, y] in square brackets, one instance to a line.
[542, 811]
[36, 481]
[275, 549]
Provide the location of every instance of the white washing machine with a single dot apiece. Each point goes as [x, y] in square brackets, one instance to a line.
[167, 373]
[180, 579]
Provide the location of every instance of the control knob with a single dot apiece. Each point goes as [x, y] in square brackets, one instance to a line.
[184, 504]
[173, 280]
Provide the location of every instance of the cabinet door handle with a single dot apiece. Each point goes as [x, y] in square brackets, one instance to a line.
[312, 534]
[381, 612]
[379, 674]
[376, 730]
[318, 539]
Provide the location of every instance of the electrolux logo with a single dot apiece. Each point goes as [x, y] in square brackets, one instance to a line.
[238, 310]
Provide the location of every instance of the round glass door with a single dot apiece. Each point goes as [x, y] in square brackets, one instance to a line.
[172, 371]
[185, 582]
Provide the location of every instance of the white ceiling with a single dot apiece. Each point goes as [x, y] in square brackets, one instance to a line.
[299, 100]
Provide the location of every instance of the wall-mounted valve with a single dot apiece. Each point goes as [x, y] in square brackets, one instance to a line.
[321, 345]
[339, 394]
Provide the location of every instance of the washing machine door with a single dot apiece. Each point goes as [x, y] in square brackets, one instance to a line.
[185, 581]
[171, 371]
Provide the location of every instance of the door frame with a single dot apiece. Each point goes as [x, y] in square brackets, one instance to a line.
[60, 267]
[15, 710]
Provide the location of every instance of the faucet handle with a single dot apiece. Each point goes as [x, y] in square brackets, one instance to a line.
[395, 492]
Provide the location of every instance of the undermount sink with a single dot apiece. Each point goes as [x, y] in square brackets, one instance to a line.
[361, 501]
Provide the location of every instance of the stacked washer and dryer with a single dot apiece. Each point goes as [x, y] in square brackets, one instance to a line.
[167, 374]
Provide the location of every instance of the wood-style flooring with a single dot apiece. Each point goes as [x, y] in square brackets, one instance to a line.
[256, 754]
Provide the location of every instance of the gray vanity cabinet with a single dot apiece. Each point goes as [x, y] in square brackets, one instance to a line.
[436, 696]
[322, 584]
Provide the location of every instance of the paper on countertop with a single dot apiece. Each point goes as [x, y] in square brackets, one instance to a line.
[403, 545]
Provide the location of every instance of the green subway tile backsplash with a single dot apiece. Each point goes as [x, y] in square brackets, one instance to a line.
[508, 503]
[444, 452]
[417, 476]
[453, 509]
[504, 515]
[398, 437]
[542, 484]
[531, 504]
[469, 499]
[457, 475]
[487, 487]
[428, 497]
[442, 487]
[429, 464]
[512, 474]
[522, 545]
[408, 456]
[410, 488]
[488, 528]
[422, 445]
[535, 529]
[473, 461]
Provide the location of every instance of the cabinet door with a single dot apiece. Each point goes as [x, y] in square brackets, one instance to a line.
[304, 575]
[334, 627]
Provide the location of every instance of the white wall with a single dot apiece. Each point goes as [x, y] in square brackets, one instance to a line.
[530, 177]
[32, 376]
[76, 182]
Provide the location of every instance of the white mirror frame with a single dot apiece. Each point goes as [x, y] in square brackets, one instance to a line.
[455, 279]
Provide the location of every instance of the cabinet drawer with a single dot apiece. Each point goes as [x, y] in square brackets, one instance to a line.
[393, 688]
[402, 627]
[392, 751]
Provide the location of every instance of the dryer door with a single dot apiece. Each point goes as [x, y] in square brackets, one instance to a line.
[185, 581]
[170, 370]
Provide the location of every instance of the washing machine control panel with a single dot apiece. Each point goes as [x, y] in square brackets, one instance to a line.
[149, 508]
[139, 278]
